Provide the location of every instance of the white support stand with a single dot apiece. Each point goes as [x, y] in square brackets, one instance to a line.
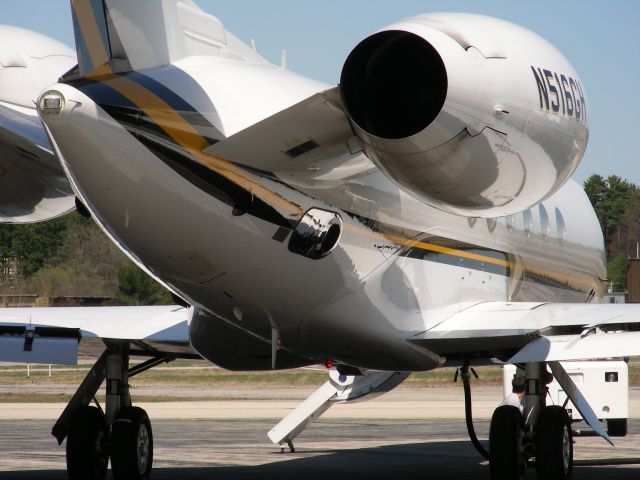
[339, 389]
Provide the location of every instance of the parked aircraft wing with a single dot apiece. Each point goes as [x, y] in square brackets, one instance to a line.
[526, 332]
[310, 143]
[593, 344]
[54, 335]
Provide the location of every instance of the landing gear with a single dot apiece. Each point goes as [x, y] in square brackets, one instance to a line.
[132, 445]
[506, 437]
[122, 433]
[554, 444]
[87, 455]
[539, 434]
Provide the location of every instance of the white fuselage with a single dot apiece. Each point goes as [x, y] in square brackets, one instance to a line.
[400, 266]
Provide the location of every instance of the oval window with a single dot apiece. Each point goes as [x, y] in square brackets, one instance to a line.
[544, 222]
[511, 223]
[491, 224]
[562, 229]
[527, 219]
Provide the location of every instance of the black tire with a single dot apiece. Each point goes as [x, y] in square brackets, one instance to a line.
[617, 427]
[554, 444]
[131, 445]
[506, 458]
[87, 458]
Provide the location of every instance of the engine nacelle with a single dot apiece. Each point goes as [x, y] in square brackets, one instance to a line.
[29, 62]
[471, 114]
[33, 186]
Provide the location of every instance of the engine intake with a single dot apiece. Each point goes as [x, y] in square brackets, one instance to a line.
[455, 109]
[394, 84]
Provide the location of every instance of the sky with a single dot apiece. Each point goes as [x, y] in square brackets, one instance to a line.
[599, 39]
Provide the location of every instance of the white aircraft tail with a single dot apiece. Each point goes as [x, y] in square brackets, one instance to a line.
[126, 35]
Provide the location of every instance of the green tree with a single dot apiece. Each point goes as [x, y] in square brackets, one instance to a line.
[617, 271]
[138, 288]
[617, 205]
[86, 263]
[33, 244]
[610, 199]
[628, 230]
[596, 188]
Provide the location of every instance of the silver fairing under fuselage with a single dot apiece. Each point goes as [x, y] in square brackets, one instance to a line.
[220, 235]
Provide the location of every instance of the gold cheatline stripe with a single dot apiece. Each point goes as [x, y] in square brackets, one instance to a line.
[462, 254]
[428, 246]
[90, 31]
[188, 138]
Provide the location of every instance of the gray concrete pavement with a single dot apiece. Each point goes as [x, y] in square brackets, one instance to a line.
[409, 434]
[331, 449]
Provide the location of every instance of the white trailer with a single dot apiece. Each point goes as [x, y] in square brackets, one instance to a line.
[605, 385]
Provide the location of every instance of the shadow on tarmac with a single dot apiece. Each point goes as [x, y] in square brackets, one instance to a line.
[431, 461]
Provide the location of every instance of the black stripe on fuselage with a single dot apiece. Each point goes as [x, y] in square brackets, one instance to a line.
[503, 264]
[452, 259]
[210, 182]
[121, 108]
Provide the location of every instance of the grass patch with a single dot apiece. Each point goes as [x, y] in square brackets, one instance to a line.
[198, 373]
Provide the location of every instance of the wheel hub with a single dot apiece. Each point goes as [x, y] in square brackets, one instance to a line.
[566, 449]
[142, 447]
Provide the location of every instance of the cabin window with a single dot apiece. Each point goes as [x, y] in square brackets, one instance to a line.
[544, 222]
[511, 223]
[562, 229]
[527, 218]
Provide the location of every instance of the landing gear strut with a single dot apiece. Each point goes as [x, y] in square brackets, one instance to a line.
[540, 434]
[121, 433]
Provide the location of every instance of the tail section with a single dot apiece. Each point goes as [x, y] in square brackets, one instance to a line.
[91, 33]
[125, 35]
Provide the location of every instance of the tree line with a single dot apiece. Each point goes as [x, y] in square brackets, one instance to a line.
[616, 202]
[69, 257]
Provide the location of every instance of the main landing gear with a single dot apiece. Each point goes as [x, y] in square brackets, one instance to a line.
[121, 432]
[541, 435]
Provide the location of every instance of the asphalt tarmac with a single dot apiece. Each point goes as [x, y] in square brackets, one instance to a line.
[330, 449]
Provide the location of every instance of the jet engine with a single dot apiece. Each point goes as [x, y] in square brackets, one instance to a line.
[473, 115]
[33, 185]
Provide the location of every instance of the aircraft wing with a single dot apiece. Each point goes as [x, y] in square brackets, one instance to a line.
[33, 186]
[310, 143]
[537, 332]
[57, 335]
